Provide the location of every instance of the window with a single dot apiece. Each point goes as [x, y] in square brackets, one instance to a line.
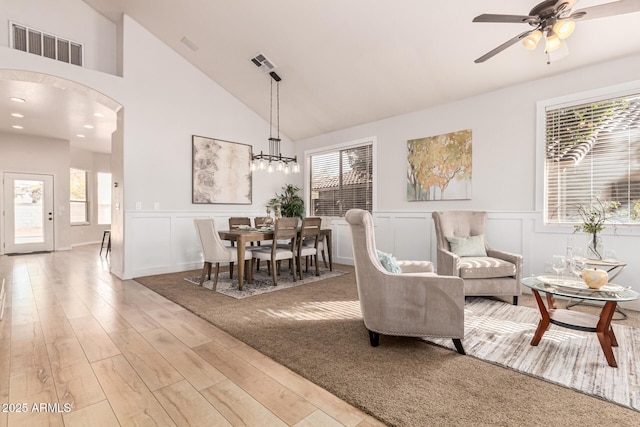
[592, 158]
[341, 179]
[104, 198]
[78, 197]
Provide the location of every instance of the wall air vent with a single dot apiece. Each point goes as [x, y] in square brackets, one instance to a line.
[34, 41]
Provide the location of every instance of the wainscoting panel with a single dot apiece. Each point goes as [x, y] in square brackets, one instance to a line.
[341, 236]
[163, 242]
[412, 238]
[150, 243]
[159, 242]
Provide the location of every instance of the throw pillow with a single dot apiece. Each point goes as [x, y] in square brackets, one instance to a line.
[389, 263]
[468, 246]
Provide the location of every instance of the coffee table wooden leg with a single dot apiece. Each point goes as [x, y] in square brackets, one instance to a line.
[544, 323]
[604, 332]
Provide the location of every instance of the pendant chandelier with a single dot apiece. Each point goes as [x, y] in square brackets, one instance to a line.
[274, 161]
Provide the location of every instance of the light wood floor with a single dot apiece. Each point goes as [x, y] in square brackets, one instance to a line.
[80, 347]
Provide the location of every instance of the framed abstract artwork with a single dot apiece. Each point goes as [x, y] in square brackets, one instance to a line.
[221, 172]
[439, 167]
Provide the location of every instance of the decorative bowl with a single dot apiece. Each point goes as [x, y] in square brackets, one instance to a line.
[594, 278]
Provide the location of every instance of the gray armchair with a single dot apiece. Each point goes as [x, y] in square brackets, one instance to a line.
[496, 274]
[414, 303]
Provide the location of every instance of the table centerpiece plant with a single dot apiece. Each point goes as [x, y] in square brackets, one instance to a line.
[594, 217]
[289, 202]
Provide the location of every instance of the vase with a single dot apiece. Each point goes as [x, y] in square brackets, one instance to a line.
[595, 247]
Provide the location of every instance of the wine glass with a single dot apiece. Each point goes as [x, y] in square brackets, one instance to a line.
[559, 265]
[579, 264]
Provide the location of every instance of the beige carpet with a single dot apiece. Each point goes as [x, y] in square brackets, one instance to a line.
[315, 330]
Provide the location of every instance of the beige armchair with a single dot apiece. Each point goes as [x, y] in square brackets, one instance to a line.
[414, 303]
[497, 273]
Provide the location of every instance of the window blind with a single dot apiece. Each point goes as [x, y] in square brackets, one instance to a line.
[342, 180]
[592, 156]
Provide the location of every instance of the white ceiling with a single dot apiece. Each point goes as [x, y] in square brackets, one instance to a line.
[348, 62]
[51, 110]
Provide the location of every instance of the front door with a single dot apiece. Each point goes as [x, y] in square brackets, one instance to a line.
[28, 213]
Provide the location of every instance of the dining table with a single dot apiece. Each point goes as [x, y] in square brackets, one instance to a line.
[243, 236]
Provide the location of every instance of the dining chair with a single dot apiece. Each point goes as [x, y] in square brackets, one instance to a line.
[215, 251]
[236, 221]
[309, 240]
[322, 240]
[286, 229]
[259, 221]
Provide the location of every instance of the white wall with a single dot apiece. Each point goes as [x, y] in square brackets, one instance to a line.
[32, 154]
[505, 173]
[69, 19]
[166, 101]
[93, 163]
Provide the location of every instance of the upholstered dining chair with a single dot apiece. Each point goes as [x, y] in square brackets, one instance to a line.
[463, 251]
[215, 251]
[415, 302]
[286, 229]
[309, 239]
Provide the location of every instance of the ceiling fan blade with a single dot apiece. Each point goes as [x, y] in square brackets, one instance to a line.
[490, 17]
[503, 46]
[608, 9]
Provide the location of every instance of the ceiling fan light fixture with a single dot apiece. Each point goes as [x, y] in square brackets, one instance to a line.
[531, 41]
[553, 42]
[564, 28]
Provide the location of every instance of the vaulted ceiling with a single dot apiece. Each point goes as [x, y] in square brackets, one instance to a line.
[348, 62]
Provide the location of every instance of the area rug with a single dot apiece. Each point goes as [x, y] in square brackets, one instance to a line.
[501, 333]
[262, 282]
[317, 331]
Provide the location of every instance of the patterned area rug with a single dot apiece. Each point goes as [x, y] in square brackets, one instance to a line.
[501, 334]
[262, 282]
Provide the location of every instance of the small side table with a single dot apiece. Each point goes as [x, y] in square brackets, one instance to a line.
[613, 268]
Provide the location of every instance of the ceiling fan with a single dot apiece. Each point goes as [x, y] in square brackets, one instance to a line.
[554, 20]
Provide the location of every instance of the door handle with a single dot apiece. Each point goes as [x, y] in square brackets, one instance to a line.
[50, 216]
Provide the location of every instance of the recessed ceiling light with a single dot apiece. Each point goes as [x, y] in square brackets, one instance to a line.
[17, 99]
[99, 115]
[80, 135]
[17, 127]
[18, 115]
[88, 126]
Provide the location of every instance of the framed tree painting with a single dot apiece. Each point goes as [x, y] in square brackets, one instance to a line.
[221, 172]
[439, 167]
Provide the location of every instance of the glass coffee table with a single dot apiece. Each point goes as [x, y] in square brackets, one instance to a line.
[610, 294]
[613, 267]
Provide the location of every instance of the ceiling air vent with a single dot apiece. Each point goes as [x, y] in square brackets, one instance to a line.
[34, 41]
[263, 63]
